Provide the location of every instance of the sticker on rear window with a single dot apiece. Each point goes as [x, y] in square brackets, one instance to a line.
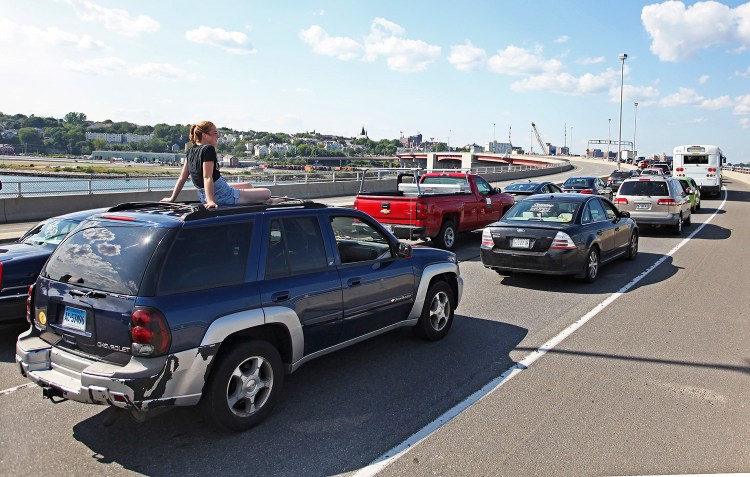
[537, 207]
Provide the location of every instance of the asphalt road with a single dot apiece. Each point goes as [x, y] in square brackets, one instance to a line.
[657, 382]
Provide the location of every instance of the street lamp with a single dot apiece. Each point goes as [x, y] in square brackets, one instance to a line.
[635, 128]
[609, 136]
[623, 57]
[570, 151]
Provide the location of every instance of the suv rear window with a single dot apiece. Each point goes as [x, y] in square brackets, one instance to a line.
[106, 257]
[620, 174]
[645, 188]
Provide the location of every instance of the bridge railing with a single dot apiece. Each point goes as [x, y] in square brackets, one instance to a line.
[743, 170]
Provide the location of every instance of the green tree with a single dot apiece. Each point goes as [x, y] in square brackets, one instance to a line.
[28, 136]
[157, 145]
[98, 144]
[76, 119]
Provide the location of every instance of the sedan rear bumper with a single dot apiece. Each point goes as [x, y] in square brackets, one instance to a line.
[551, 262]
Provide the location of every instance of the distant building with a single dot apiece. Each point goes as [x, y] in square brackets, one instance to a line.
[498, 147]
[111, 138]
[139, 156]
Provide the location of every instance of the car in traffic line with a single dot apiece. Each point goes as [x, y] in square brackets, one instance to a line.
[559, 234]
[522, 189]
[664, 166]
[20, 262]
[154, 305]
[617, 176]
[652, 171]
[692, 190]
[656, 201]
[587, 185]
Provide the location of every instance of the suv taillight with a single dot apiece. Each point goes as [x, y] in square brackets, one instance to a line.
[666, 202]
[28, 304]
[149, 332]
[1, 275]
[621, 200]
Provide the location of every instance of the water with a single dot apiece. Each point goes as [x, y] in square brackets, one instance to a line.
[33, 186]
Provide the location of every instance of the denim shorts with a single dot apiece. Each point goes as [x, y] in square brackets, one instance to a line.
[224, 195]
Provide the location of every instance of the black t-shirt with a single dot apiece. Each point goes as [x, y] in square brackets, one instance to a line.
[196, 156]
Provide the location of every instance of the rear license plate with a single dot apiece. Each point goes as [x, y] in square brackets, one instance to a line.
[520, 243]
[74, 319]
[645, 206]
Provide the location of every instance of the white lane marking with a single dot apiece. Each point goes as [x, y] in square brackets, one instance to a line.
[10, 390]
[390, 456]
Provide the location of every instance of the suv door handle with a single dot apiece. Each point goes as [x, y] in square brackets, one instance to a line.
[280, 296]
[353, 282]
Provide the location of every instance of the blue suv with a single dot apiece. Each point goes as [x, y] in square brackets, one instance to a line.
[150, 305]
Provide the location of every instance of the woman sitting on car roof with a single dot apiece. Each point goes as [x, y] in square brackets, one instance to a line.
[202, 167]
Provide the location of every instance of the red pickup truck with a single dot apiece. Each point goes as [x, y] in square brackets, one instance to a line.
[436, 205]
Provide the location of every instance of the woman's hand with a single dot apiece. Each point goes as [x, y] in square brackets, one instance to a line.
[167, 199]
[210, 204]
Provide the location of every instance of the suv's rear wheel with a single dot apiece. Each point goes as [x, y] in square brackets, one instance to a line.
[437, 313]
[243, 386]
[677, 228]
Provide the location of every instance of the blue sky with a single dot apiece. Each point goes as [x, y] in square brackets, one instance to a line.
[463, 72]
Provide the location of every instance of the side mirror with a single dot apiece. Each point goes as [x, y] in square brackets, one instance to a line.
[404, 250]
[625, 214]
[497, 190]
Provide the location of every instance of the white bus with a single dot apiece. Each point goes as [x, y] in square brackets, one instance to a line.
[703, 163]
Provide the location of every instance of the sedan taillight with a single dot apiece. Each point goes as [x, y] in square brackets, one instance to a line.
[487, 238]
[587, 191]
[562, 241]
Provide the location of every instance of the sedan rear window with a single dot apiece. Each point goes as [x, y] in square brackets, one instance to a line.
[620, 175]
[645, 188]
[578, 182]
[105, 257]
[542, 211]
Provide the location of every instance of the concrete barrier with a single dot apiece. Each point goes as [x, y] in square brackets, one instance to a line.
[27, 209]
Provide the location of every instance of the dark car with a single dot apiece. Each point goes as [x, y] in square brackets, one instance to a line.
[618, 176]
[664, 166]
[559, 234]
[587, 185]
[526, 188]
[153, 305]
[20, 262]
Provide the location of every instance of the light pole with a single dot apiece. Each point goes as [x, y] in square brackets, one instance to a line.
[449, 140]
[623, 57]
[609, 136]
[494, 140]
[570, 151]
[635, 128]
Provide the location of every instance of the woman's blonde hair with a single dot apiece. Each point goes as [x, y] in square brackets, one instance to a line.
[198, 130]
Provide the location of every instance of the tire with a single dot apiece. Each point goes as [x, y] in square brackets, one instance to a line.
[677, 228]
[698, 205]
[591, 267]
[632, 247]
[447, 237]
[437, 313]
[243, 386]
[689, 220]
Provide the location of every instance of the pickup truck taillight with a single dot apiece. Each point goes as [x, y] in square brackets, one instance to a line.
[420, 212]
[149, 332]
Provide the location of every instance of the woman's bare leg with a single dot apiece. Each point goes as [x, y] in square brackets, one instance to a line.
[240, 185]
[255, 195]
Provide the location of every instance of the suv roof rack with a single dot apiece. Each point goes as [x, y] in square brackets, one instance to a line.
[194, 210]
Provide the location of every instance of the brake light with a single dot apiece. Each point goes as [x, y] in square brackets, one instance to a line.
[356, 204]
[666, 202]
[119, 217]
[587, 191]
[149, 332]
[609, 179]
[562, 241]
[420, 211]
[711, 169]
[28, 304]
[487, 238]
[680, 169]
[621, 200]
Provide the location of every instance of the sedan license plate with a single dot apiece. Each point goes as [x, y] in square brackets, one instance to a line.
[520, 243]
[74, 319]
[643, 206]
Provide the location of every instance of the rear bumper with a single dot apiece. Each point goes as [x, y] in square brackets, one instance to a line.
[655, 219]
[409, 232]
[142, 384]
[556, 262]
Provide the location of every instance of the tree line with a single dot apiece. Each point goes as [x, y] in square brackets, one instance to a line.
[67, 135]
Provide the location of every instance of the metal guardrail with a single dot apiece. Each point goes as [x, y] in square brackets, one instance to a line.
[82, 186]
[744, 170]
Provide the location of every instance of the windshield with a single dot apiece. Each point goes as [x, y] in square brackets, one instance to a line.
[521, 186]
[578, 182]
[105, 257]
[542, 211]
[50, 231]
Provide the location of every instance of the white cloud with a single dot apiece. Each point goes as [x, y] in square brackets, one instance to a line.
[644, 95]
[743, 104]
[7, 30]
[743, 74]
[678, 32]
[703, 79]
[117, 20]
[745, 123]
[45, 37]
[97, 66]
[467, 57]
[161, 72]
[689, 97]
[562, 39]
[341, 47]
[385, 40]
[516, 61]
[684, 97]
[234, 42]
[565, 83]
[302, 90]
[591, 61]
